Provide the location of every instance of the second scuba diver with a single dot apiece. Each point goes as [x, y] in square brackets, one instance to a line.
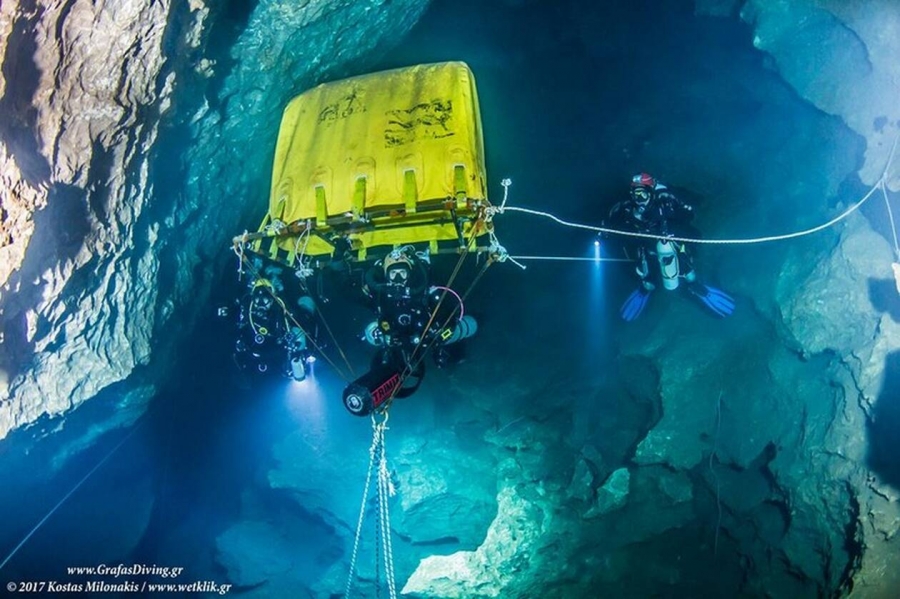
[413, 319]
[653, 210]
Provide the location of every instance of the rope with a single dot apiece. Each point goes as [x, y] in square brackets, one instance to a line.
[362, 508]
[881, 183]
[796, 234]
[336, 344]
[505, 183]
[238, 249]
[304, 236]
[572, 259]
[453, 313]
[70, 493]
[377, 451]
[409, 369]
[410, 366]
[385, 490]
[887, 204]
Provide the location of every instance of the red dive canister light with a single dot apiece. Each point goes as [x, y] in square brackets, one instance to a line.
[369, 392]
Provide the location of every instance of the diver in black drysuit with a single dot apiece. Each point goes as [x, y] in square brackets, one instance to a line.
[273, 326]
[654, 210]
[403, 301]
[651, 209]
[412, 320]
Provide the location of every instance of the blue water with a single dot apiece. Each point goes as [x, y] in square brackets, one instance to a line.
[574, 101]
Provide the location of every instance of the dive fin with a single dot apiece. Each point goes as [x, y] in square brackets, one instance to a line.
[715, 299]
[635, 304]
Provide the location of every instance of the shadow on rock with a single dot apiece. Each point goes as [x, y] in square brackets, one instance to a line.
[884, 424]
[884, 297]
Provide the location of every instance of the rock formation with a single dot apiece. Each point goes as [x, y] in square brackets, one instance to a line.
[107, 230]
[840, 57]
[136, 138]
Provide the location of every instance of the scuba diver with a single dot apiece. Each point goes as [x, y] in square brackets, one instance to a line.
[272, 335]
[653, 210]
[411, 320]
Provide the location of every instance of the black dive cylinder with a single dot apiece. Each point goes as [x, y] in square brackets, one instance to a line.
[372, 389]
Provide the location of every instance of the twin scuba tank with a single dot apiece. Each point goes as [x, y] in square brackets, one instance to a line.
[669, 265]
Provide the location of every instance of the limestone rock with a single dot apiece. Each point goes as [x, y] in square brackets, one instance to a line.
[486, 571]
[445, 493]
[18, 202]
[253, 553]
[856, 45]
[98, 250]
[832, 309]
[582, 485]
[87, 77]
[612, 495]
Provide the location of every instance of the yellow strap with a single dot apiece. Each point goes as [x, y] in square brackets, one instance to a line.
[262, 226]
[273, 250]
[459, 185]
[410, 192]
[321, 207]
[359, 198]
[292, 255]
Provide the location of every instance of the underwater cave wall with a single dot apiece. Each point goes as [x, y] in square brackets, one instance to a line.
[131, 147]
[839, 56]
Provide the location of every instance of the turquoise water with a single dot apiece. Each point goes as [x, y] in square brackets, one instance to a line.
[574, 99]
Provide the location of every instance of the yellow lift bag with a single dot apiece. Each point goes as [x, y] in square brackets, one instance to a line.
[383, 159]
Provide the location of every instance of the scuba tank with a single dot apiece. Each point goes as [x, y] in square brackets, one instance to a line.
[465, 328]
[668, 263]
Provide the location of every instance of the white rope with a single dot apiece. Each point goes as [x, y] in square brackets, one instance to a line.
[304, 237]
[275, 226]
[505, 183]
[571, 259]
[497, 251]
[385, 490]
[879, 184]
[72, 492]
[239, 252]
[362, 508]
[836, 219]
[887, 204]
[303, 270]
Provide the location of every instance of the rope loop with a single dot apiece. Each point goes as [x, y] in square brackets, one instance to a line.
[505, 183]
[277, 226]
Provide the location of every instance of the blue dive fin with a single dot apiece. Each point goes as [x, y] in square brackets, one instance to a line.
[716, 300]
[635, 304]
